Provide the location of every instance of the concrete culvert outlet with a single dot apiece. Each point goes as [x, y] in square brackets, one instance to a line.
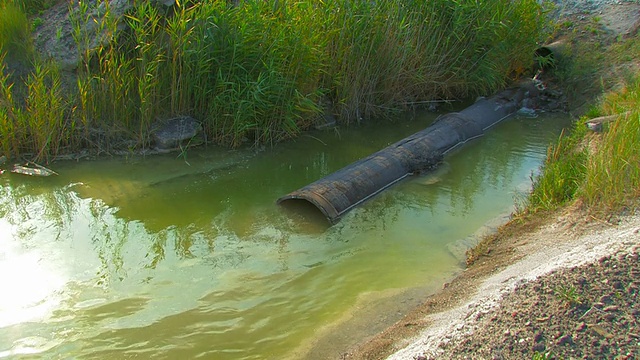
[547, 57]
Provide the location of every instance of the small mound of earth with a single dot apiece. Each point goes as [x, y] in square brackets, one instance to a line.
[564, 316]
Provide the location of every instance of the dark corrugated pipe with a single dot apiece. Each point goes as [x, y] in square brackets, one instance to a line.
[337, 193]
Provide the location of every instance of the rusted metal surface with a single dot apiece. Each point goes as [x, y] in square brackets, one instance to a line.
[339, 192]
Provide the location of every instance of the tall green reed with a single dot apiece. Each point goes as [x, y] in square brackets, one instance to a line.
[258, 72]
[80, 17]
[613, 169]
[386, 54]
[107, 76]
[192, 63]
[11, 130]
[146, 26]
[45, 112]
[43, 125]
[262, 77]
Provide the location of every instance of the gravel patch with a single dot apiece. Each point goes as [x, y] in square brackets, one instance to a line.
[588, 312]
[575, 299]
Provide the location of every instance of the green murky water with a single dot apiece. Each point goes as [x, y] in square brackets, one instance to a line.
[173, 257]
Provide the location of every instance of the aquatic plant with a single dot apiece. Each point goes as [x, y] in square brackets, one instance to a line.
[145, 23]
[10, 114]
[263, 71]
[45, 110]
[43, 124]
[386, 55]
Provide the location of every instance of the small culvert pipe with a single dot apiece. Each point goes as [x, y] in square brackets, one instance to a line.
[341, 191]
[548, 56]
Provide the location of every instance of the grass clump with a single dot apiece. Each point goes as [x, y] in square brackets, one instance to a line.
[613, 170]
[569, 295]
[562, 175]
[545, 356]
[602, 170]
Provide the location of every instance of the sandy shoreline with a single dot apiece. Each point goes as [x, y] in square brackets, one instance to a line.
[446, 318]
[551, 248]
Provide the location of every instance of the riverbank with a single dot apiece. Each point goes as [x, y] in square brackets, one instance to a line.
[561, 283]
[540, 288]
[499, 255]
[104, 76]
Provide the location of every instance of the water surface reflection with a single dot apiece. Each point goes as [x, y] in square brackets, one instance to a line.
[167, 258]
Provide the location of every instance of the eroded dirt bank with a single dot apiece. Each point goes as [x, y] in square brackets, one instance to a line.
[586, 307]
[566, 285]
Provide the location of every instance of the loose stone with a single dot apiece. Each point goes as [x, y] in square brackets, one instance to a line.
[565, 339]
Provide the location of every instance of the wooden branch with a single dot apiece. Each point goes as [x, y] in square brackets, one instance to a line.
[595, 124]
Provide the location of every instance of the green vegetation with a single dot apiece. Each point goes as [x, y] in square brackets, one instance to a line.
[258, 72]
[545, 356]
[562, 175]
[613, 170]
[31, 7]
[14, 30]
[597, 170]
[569, 295]
[600, 169]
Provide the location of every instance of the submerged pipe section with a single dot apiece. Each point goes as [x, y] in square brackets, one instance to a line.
[341, 191]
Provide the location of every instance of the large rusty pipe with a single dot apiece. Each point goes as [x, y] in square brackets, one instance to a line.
[339, 192]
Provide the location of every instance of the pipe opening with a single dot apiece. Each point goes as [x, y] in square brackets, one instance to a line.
[544, 58]
[549, 56]
[304, 211]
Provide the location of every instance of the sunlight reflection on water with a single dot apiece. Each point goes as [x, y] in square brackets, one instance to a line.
[159, 258]
[30, 282]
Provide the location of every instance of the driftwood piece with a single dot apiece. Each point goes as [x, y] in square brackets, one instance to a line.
[37, 170]
[595, 124]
